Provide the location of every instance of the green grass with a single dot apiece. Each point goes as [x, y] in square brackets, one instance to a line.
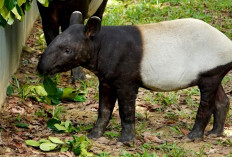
[127, 12]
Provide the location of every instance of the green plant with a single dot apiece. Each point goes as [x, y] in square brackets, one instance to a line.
[172, 150]
[41, 113]
[48, 93]
[15, 9]
[59, 110]
[22, 125]
[19, 124]
[60, 127]
[111, 134]
[171, 116]
[79, 145]
[103, 154]
[10, 90]
[143, 154]
[201, 153]
[176, 129]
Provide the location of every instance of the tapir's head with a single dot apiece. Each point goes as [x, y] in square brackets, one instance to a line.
[74, 47]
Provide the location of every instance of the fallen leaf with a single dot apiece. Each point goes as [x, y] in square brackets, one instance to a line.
[149, 137]
[184, 131]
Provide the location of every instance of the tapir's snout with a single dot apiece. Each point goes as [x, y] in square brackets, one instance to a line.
[43, 65]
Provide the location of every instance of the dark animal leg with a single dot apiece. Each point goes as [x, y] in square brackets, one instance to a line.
[78, 74]
[107, 99]
[205, 110]
[50, 25]
[101, 9]
[126, 101]
[220, 111]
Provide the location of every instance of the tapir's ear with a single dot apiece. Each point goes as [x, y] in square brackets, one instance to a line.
[76, 18]
[93, 26]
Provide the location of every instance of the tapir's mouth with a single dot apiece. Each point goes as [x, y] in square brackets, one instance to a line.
[55, 70]
[59, 68]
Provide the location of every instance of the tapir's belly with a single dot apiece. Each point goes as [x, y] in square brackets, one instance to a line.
[174, 54]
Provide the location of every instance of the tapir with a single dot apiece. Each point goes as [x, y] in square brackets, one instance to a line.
[57, 16]
[164, 56]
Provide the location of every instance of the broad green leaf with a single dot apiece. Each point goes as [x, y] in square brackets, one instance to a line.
[44, 2]
[10, 90]
[10, 19]
[44, 141]
[20, 11]
[32, 143]
[55, 140]
[84, 152]
[15, 11]
[81, 138]
[27, 89]
[59, 92]
[51, 123]
[40, 91]
[28, 6]
[1, 3]
[77, 150]
[80, 98]
[60, 127]
[21, 125]
[64, 148]
[47, 146]
[10, 4]
[54, 100]
[20, 2]
[50, 86]
[67, 123]
[67, 93]
[4, 12]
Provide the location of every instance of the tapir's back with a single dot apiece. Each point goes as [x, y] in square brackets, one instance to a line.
[176, 52]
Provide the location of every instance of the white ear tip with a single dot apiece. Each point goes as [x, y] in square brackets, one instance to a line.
[96, 17]
[77, 12]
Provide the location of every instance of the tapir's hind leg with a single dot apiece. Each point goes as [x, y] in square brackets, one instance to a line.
[220, 111]
[208, 88]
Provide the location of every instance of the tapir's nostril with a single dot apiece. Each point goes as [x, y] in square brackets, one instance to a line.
[42, 67]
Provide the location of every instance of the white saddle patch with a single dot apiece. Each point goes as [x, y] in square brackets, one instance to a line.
[176, 52]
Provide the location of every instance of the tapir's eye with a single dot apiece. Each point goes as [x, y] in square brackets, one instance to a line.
[68, 51]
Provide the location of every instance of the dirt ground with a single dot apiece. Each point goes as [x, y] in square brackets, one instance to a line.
[156, 124]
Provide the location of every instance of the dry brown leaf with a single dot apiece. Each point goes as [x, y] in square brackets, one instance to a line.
[149, 137]
[184, 131]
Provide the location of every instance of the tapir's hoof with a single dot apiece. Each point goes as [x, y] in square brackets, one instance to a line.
[94, 134]
[78, 74]
[214, 133]
[195, 136]
[186, 139]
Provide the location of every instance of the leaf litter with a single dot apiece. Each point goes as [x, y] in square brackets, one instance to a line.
[156, 124]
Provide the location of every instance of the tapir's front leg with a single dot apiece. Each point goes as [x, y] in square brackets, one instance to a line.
[126, 100]
[107, 99]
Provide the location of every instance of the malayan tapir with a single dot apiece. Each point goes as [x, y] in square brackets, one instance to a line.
[58, 13]
[163, 56]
